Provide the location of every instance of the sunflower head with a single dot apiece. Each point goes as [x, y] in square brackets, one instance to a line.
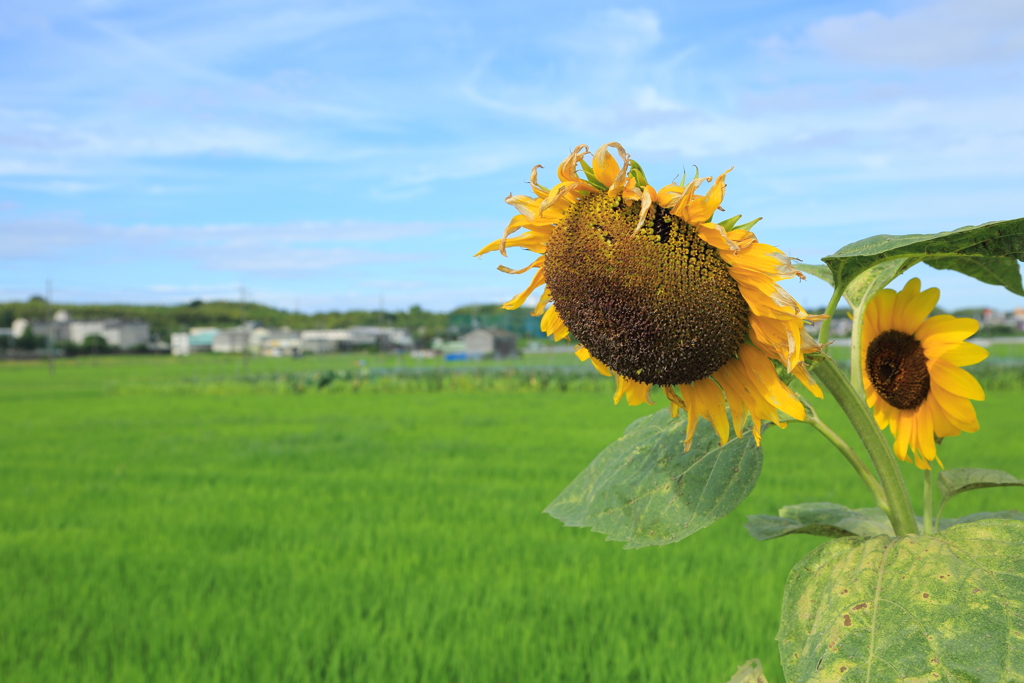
[912, 370]
[656, 304]
[658, 294]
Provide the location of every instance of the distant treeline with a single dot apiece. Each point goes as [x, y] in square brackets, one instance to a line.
[166, 319]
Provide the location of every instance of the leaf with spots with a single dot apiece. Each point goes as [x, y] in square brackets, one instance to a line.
[960, 479]
[644, 489]
[948, 607]
[988, 252]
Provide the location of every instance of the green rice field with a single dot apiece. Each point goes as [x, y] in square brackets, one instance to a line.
[175, 519]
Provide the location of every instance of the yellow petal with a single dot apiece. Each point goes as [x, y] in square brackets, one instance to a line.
[701, 208]
[958, 409]
[567, 169]
[536, 264]
[601, 367]
[943, 427]
[955, 380]
[801, 373]
[545, 297]
[945, 328]
[925, 434]
[520, 299]
[911, 311]
[904, 429]
[714, 407]
[605, 166]
[965, 353]
[883, 304]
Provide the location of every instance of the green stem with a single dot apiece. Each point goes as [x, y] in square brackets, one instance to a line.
[830, 310]
[851, 457]
[900, 513]
[856, 336]
[929, 528]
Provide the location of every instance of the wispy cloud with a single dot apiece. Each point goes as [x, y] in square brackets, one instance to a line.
[951, 33]
[371, 145]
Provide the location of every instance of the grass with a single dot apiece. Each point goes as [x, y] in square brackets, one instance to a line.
[336, 536]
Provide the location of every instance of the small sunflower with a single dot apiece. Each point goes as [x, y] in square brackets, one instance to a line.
[657, 294]
[912, 369]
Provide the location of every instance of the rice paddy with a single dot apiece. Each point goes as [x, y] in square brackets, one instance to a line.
[177, 520]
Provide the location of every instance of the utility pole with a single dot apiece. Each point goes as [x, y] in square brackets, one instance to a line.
[49, 324]
[245, 349]
[381, 343]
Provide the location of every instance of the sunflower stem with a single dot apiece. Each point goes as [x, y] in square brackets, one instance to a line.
[856, 337]
[826, 324]
[851, 457]
[901, 514]
[929, 527]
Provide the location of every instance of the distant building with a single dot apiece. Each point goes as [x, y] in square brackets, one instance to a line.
[120, 334]
[490, 343]
[180, 344]
[200, 339]
[231, 341]
[841, 326]
[383, 338]
[117, 333]
[281, 342]
[19, 327]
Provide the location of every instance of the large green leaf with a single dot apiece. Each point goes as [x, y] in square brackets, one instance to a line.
[863, 287]
[818, 270]
[960, 479]
[988, 252]
[948, 607]
[820, 519]
[835, 521]
[645, 490]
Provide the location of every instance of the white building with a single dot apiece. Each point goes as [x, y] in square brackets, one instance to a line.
[180, 345]
[326, 341]
[281, 342]
[368, 335]
[18, 327]
[121, 334]
[231, 341]
[492, 343]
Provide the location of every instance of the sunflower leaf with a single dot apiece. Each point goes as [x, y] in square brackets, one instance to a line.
[960, 479]
[819, 519]
[987, 252]
[911, 608]
[863, 287]
[644, 489]
[978, 516]
[818, 270]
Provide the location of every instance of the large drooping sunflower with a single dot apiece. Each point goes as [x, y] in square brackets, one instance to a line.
[657, 294]
[913, 370]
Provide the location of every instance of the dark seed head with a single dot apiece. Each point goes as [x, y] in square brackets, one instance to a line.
[659, 307]
[898, 369]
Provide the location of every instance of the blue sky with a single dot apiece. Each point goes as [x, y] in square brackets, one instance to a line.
[325, 155]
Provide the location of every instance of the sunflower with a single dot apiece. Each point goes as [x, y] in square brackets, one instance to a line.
[913, 370]
[657, 294]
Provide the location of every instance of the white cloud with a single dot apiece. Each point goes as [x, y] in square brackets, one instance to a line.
[946, 33]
